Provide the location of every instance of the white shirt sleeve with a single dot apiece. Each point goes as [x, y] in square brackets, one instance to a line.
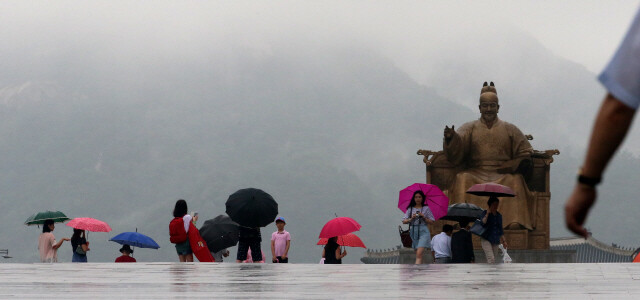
[187, 219]
[621, 77]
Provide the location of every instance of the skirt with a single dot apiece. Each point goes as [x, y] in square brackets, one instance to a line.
[420, 236]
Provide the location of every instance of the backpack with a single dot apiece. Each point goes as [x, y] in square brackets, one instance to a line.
[176, 231]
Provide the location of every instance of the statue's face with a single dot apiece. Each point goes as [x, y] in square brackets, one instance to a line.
[489, 107]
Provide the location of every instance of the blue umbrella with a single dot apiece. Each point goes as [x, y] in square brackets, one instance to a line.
[135, 239]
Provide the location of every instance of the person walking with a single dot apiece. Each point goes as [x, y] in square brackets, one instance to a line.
[126, 255]
[249, 238]
[331, 252]
[494, 233]
[621, 78]
[47, 245]
[418, 215]
[80, 246]
[441, 245]
[178, 230]
[280, 243]
[462, 245]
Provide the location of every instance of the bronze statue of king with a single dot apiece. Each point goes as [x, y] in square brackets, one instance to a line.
[491, 150]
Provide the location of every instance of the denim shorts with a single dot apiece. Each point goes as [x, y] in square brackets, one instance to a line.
[421, 236]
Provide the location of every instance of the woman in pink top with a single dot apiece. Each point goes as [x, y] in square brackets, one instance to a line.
[47, 243]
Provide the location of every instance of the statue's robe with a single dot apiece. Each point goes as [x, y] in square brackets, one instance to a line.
[492, 155]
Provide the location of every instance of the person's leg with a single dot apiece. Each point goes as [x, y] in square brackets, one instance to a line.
[242, 252]
[419, 253]
[182, 258]
[488, 251]
[256, 252]
[189, 257]
[496, 250]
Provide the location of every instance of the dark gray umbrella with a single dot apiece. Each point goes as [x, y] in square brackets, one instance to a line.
[252, 208]
[462, 212]
[220, 232]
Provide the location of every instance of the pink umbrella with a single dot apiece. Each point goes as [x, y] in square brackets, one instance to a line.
[339, 226]
[491, 189]
[89, 224]
[347, 240]
[436, 200]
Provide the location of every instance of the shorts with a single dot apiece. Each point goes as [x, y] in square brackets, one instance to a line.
[243, 248]
[420, 236]
[184, 248]
[280, 260]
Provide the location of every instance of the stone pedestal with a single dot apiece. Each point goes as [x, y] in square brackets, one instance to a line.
[408, 256]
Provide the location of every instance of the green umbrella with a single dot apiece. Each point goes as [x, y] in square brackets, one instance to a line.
[39, 218]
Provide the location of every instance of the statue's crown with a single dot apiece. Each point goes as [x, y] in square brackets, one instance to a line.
[488, 88]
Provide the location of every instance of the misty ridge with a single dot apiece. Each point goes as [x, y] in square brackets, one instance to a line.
[325, 130]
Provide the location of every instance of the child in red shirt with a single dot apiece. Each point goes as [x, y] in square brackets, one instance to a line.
[125, 258]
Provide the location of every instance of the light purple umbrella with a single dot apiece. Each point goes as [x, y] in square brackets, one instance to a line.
[436, 200]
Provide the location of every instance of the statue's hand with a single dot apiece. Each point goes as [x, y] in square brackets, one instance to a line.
[449, 132]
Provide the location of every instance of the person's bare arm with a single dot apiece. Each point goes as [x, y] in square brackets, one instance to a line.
[286, 250]
[322, 253]
[610, 128]
[273, 250]
[56, 246]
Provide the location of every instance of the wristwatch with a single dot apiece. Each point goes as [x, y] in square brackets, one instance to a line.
[589, 181]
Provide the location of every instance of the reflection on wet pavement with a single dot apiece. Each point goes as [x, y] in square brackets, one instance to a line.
[310, 281]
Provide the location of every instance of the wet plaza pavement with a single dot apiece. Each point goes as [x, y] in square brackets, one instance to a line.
[311, 281]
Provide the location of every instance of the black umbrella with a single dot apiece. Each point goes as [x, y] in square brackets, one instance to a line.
[252, 208]
[462, 212]
[220, 232]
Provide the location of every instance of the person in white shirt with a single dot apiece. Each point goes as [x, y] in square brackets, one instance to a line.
[441, 245]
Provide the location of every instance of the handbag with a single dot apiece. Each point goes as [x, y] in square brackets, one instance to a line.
[478, 228]
[405, 237]
[80, 251]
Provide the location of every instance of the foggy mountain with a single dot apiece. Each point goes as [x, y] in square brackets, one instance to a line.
[324, 130]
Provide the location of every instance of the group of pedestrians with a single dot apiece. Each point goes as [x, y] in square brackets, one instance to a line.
[249, 239]
[447, 246]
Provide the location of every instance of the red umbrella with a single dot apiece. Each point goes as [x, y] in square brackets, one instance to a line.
[436, 200]
[89, 224]
[348, 240]
[491, 189]
[339, 226]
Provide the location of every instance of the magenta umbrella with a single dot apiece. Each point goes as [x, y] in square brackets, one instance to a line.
[491, 189]
[89, 224]
[436, 200]
[339, 226]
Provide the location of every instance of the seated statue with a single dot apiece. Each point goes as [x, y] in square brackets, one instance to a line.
[491, 150]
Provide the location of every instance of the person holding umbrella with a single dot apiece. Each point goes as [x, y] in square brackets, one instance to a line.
[47, 245]
[249, 238]
[178, 230]
[126, 255]
[331, 252]
[418, 215]
[494, 234]
[80, 246]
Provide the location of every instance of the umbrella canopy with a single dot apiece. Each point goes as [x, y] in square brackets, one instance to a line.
[252, 208]
[89, 224]
[339, 226]
[437, 201]
[462, 212]
[39, 218]
[491, 189]
[135, 239]
[347, 240]
[220, 232]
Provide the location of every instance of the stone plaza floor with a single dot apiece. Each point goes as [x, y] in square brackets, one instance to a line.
[311, 281]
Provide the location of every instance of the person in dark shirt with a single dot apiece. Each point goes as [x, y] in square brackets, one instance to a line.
[126, 252]
[249, 238]
[331, 252]
[462, 245]
[494, 235]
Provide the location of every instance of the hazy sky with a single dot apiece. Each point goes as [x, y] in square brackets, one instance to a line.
[586, 32]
